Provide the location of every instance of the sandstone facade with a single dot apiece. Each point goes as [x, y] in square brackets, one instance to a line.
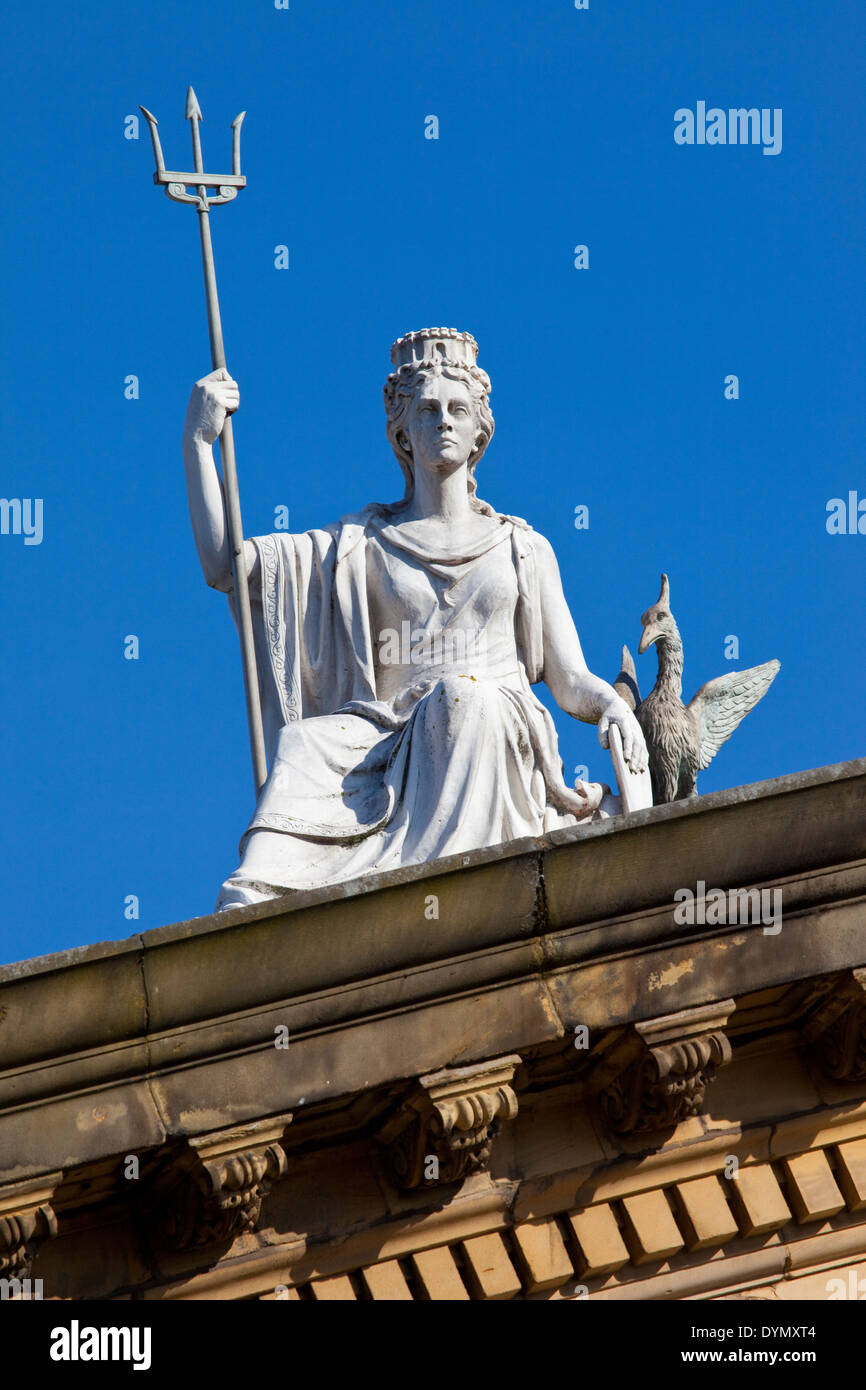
[511, 1075]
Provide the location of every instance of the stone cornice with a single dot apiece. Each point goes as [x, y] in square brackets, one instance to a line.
[530, 941]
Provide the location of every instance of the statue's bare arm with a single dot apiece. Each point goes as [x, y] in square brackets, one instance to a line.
[213, 397]
[572, 685]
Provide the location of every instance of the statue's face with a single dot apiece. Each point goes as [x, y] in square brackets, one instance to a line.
[440, 425]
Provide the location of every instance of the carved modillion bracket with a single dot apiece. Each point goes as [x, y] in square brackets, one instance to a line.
[211, 1191]
[653, 1075]
[27, 1220]
[836, 1030]
[443, 1129]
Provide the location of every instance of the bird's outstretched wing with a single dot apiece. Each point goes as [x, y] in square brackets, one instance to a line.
[720, 705]
[625, 684]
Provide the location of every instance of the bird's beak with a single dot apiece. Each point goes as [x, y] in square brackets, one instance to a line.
[650, 635]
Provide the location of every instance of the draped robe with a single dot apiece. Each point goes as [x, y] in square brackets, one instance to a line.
[399, 717]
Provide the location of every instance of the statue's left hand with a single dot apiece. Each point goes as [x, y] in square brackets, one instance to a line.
[634, 748]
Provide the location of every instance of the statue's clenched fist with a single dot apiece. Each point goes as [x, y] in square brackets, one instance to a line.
[213, 398]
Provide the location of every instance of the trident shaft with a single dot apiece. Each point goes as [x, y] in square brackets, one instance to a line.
[227, 186]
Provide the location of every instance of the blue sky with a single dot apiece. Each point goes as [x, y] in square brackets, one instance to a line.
[555, 129]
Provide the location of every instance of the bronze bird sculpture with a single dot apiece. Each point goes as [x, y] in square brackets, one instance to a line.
[683, 739]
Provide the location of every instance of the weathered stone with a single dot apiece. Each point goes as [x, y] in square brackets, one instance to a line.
[211, 1190]
[496, 979]
[385, 1281]
[837, 1030]
[542, 1256]
[654, 1075]
[443, 1130]
[27, 1220]
[813, 1191]
[439, 1276]
[336, 1290]
[851, 1173]
[490, 1271]
[703, 1213]
[602, 1248]
[650, 1230]
[757, 1200]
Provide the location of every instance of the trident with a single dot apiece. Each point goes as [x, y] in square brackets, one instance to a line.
[227, 186]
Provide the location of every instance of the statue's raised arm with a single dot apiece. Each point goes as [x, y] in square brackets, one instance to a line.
[212, 398]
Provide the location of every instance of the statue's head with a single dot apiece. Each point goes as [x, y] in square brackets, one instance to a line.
[418, 358]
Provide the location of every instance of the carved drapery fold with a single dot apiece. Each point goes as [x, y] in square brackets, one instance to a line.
[653, 1075]
[443, 1130]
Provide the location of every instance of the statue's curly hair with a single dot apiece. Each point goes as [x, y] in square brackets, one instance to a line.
[399, 390]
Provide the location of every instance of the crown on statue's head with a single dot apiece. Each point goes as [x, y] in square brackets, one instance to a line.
[445, 345]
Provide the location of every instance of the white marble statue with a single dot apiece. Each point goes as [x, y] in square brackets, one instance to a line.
[397, 650]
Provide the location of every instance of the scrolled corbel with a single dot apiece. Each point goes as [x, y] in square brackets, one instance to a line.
[443, 1129]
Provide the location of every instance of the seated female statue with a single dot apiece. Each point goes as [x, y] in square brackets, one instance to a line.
[397, 650]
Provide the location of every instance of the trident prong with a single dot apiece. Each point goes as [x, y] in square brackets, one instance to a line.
[154, 139]
[228, 185]
[193, 115]
[236, 142]
[176, 183]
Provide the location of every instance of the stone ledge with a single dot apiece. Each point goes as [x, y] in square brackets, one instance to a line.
[843, 782]
[111, 1049]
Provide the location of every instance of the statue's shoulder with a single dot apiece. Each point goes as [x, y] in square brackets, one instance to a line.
[372, 512]
[540, 543]
[534, 547]
[351, 529]
[526, 537]
[338, 538]
[516, 521]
